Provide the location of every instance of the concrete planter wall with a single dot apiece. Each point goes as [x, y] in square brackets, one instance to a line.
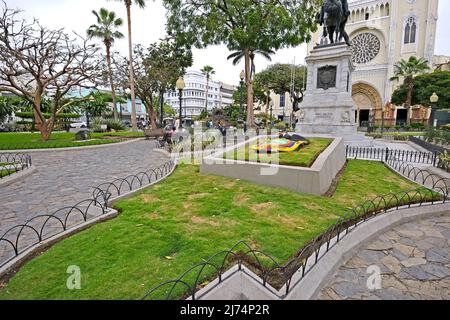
[315, 180]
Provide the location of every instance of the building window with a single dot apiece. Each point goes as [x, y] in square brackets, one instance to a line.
[410, 30]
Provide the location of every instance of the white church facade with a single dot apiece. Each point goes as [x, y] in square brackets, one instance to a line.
[382, 33]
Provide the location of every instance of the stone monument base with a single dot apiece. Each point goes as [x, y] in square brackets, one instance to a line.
[328, 106]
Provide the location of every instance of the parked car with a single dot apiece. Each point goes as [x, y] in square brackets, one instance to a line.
[78, 125]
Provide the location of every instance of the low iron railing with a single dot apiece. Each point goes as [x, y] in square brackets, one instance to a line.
[11, 163]
[286, 276]
[17, 239]
[384, 154]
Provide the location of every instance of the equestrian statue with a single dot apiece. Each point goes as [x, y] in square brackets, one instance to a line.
[334, 16]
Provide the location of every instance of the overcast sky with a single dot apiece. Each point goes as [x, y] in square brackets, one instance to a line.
[149, 26]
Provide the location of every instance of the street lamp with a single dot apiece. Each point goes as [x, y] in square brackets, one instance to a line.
[241, 88]
[180, 86]
[90, 102]
[434, 100]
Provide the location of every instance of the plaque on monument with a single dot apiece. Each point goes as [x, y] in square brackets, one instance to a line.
[326, 77]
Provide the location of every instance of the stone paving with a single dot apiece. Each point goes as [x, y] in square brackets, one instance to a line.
[64, 178]
[414, 261]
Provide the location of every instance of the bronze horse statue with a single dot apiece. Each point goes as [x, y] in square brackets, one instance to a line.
[333, 17]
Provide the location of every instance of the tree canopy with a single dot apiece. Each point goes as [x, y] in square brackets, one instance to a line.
[425, 85]
[242, 25]
[279, 78]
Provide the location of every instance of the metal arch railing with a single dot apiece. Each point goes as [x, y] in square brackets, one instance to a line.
[22, 237]
[384, 154]
[11, 163]
[279, 275]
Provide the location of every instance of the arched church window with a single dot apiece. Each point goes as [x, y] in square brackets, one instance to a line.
[410, 30]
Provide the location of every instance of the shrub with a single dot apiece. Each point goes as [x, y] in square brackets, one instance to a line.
[96, 124]
[281, 126]
[116, 125]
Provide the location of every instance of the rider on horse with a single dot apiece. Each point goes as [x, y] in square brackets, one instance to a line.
[321, 19]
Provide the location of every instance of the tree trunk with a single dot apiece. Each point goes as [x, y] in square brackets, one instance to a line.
[111, 79]
[249, 83]
[130, 53]
[409, 100]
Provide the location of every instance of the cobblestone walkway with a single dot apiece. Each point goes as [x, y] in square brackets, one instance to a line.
[64, 178]
[414, 260]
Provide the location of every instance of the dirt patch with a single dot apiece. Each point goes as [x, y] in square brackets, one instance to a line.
[198, 195]
[241, 199]
[201, 220]
[148, 198]
[335, 181]
[152, 216]
[260, 207]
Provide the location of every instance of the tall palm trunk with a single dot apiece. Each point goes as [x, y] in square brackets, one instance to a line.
[409, 94]
[130, 53]
[207, 92]
[111, 79]
[249, 83]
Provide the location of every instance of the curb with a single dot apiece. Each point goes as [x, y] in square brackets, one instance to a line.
[17, 176]
[316, 279]
[17, 262]
[99, 146]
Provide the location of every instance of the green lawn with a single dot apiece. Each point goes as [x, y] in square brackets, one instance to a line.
[171, 226]
[304, 157]
[16, 141]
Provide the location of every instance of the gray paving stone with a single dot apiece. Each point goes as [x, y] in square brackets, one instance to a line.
[418, 264]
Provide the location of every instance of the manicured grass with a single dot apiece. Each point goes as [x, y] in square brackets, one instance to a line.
[16, 141]
[171, 226]
[304, 157]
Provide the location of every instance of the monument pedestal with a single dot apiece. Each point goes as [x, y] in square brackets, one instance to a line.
[328, 107]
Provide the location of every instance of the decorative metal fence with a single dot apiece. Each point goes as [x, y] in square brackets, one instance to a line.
[286, 276]
[11, 163]
[20, 238]
[384, 154]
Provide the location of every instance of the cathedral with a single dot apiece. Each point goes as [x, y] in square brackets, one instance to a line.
[382, 33]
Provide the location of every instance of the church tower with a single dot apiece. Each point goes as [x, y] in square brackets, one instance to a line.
[382, 33]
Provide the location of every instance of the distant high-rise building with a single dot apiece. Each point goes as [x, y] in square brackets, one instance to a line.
[194, 95]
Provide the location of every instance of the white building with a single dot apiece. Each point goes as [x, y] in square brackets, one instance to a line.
[383, 32]
[194, 95]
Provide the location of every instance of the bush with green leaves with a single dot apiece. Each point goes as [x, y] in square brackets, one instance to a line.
[115, 125]
[96, 125]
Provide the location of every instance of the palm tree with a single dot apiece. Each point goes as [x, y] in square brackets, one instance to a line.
[105, 29]
[408, 69]
[207, 72]
[249, 57]
[141, 4]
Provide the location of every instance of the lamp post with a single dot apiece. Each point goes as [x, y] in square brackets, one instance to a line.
[434, 100]
[91, 100]
[241, 88]
[180, 86]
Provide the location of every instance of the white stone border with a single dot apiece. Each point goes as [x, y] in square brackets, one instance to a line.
[95, 146]
[17, 176]
[236, 283]
[315, 180]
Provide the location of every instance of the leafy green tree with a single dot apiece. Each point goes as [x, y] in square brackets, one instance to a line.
[407, 70]
[207, 71]
[105, 29]
[140, 4]
[281, 78]
[156, 71]
[425, 85]
[242, 25]
[6, 108]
